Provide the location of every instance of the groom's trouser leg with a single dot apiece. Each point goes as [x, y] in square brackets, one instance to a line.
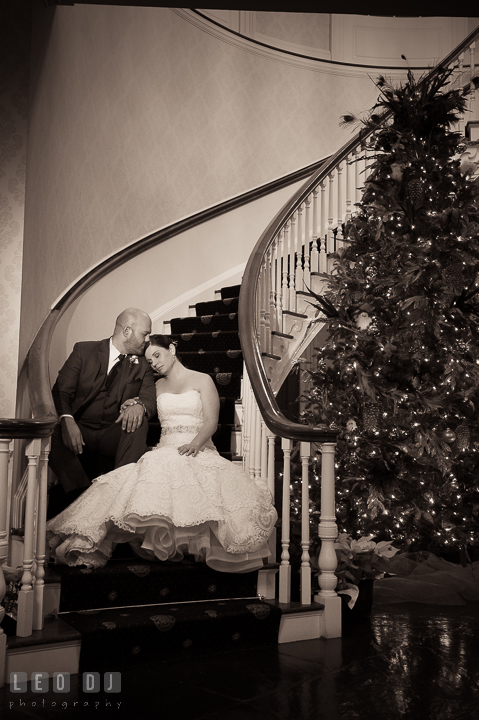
[110, 441]
[66, 465]
[123, 446]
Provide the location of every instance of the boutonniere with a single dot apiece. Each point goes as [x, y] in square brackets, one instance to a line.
[134, 359]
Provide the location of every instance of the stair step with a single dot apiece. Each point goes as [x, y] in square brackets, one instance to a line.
[217, 307]
[134, 581]
[276, 333]
[205, 323]
[231, 291]
[228, 384]
[55, 648]
[210, 361]
[115, 638]
[294, 314]
[215, 340]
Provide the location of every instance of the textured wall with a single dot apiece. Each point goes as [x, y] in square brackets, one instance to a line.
[14, 62]
[303, 29]
[139, 118]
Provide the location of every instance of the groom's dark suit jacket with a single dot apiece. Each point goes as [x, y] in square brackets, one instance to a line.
[83, 373]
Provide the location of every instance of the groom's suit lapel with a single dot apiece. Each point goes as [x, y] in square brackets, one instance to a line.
[95, 374]
[101, 367]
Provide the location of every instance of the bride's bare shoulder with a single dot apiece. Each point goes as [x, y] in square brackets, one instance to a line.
[201, 380]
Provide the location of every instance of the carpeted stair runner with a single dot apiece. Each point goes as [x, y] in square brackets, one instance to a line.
[116, 638]
[134, 581]
[210, 343]
[133, 611]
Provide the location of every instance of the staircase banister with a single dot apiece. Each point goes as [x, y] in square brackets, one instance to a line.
[275, 420]
[27, 428]
[458, 50]
[270, 411]
[36, 362]
[38, 374]
[334, 160]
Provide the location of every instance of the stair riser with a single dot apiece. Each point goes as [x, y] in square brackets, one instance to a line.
[58, 657]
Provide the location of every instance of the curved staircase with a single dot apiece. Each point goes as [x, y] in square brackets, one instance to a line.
[276, 323]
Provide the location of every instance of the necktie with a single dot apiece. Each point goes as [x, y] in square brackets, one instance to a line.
[110, 378]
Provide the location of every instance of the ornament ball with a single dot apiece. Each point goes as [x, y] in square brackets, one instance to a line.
[448, 435]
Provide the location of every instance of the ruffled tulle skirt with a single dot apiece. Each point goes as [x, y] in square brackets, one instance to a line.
[168, 505]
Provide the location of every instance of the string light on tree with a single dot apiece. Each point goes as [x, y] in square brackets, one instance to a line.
[399, 371]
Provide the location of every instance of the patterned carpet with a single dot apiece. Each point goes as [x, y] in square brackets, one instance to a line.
[116, 638]
[209, 342]
[134, 611]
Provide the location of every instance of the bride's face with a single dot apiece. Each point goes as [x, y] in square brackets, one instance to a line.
[161, 359]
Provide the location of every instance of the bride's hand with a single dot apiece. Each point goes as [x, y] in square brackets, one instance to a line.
[189, 449]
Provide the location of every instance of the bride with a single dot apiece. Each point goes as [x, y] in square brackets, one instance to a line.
[181, 497]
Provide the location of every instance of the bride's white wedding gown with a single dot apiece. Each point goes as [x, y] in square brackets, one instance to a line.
[169, 504]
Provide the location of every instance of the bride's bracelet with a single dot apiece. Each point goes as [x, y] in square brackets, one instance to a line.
[133, 401]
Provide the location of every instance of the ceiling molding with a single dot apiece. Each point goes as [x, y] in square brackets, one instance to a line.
[282, 56]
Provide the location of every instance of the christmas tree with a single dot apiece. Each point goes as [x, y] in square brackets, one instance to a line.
[399, 372]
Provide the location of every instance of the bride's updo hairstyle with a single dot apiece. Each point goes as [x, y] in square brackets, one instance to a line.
[163, 341]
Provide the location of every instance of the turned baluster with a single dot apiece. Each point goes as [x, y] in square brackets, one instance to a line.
[245, 426]
[279, 282]
[271, 442]
[262, 305]
[274, 286]
[315, 252]
[307, 244]
[341, 211]
[329, 234]
[285, 276]
[327, 530]
[285, 567]
[299, 274]
[305, 452]
[461, 125]
[348, 189]
[292, 265]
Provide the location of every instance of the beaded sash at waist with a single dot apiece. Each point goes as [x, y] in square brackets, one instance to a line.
[179, 429]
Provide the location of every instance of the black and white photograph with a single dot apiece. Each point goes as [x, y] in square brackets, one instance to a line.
[239, 360]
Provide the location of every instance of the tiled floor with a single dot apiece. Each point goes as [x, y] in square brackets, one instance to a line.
[406, 662]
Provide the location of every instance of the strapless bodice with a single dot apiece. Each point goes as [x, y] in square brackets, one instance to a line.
[180, 414]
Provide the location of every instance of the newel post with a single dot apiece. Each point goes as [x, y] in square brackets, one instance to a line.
[40, 537]
[25, 596]
[4, 459]
[327, 560]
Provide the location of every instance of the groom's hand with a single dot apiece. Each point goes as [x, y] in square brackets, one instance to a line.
[71, 435]
[131, 417]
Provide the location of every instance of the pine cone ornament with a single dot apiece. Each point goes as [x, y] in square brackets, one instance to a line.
[463, 437]
[415, 193]
[370, 416]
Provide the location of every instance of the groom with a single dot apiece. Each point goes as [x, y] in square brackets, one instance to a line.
[95, 381]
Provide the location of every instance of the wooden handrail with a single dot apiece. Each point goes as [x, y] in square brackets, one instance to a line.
[37, 359]
[26, 428]
[269, 409]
